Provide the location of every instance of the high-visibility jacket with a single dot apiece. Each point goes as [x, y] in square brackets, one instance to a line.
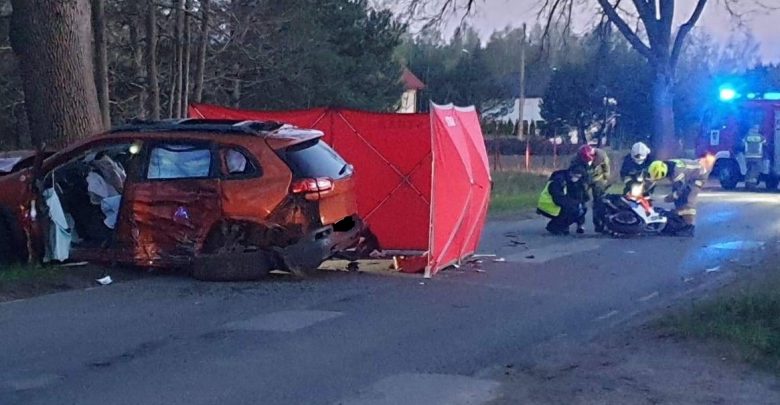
[688, 177]
[557, 194]
[546, 203]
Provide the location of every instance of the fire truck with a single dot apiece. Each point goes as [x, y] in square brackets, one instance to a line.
[742, 134]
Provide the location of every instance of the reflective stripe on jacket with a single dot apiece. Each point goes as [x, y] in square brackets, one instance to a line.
[546, 203]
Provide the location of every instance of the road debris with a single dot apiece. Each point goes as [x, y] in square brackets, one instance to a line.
[105, 280]
[631, 252]
[480, 271]
[650, 296]
[74, 264]
[608, 315]
[499, 260]
[712, 269]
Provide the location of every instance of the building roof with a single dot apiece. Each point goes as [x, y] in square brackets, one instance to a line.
[411, 82]
[509, 110]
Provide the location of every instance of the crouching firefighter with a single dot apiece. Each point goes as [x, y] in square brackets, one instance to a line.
[635, 166]
[687, 177]
[563, 200]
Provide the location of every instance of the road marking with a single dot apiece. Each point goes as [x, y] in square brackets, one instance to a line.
[608, 315]
[648, 297]
[427, 389]
[554, 251]
[284, 321]
[738, 245]
[30, 383]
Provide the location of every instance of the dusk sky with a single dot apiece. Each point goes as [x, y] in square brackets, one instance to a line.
[496, 14]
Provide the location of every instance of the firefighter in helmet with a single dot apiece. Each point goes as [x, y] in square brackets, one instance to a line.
[595, 162]
[635, 165]
[562, 200]
[754, 144]
[687, 177]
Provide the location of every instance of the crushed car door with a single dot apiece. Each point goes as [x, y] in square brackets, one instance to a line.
[174, 203]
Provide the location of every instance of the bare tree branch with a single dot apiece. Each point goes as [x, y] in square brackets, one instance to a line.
[685, 29]
[624, 29]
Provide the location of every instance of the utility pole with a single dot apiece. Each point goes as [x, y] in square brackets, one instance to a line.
[521, 104]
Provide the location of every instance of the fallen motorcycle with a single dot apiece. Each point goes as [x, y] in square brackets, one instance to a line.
[633, 214]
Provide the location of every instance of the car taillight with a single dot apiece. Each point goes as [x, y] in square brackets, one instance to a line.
[306, 186]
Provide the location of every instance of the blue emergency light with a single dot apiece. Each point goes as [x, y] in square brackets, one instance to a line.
[727, 94]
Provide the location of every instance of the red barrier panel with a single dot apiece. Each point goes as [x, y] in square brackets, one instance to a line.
[461, 185]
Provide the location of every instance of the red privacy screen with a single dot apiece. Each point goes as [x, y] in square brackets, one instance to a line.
[461, 185]
[423, 180]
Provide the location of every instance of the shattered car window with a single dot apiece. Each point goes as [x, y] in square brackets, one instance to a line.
[179, 162]
[315, 159]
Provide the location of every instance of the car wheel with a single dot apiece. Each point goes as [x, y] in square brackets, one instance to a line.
[772, 182]
[234, 266]
[13, 248]
[728, 175]
[227, 256]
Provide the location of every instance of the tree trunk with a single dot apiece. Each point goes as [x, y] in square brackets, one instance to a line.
[22, 127]
[174, 93]
[235, 94]
[665, 140]
[178, 63]
[185, 89]
[200, 66]
[152, 77]
[101, 61]
[52, 40]
[139, 73]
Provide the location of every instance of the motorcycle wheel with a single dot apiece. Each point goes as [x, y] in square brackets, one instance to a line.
[624, 223]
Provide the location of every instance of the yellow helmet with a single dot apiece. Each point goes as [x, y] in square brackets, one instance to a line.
[658, 170]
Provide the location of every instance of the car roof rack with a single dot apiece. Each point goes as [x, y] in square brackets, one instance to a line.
[199, 125]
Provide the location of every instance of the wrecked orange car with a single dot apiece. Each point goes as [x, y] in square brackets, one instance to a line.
[225, 199]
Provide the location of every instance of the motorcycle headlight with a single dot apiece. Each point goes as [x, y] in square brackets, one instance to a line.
[637, 190]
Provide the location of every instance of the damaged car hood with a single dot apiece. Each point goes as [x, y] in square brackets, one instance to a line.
[10, 161]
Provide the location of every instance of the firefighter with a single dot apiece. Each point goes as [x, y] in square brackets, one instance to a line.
[635, 165]
[595, 162]
[754, 155]
[562, 201]
[688, 177]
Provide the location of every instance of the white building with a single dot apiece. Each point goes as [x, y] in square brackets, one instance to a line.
[412, 87]
[509, 112]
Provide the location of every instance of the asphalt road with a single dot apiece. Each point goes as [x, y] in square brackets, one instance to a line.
[361, 338]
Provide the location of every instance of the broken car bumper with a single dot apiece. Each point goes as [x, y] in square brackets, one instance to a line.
[322, 244]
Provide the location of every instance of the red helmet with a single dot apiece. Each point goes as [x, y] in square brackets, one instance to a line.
[587, 153]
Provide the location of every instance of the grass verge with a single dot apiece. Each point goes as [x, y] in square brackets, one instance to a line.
[745, 316]
[25, 281]
[19, 274]
[515, 192]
